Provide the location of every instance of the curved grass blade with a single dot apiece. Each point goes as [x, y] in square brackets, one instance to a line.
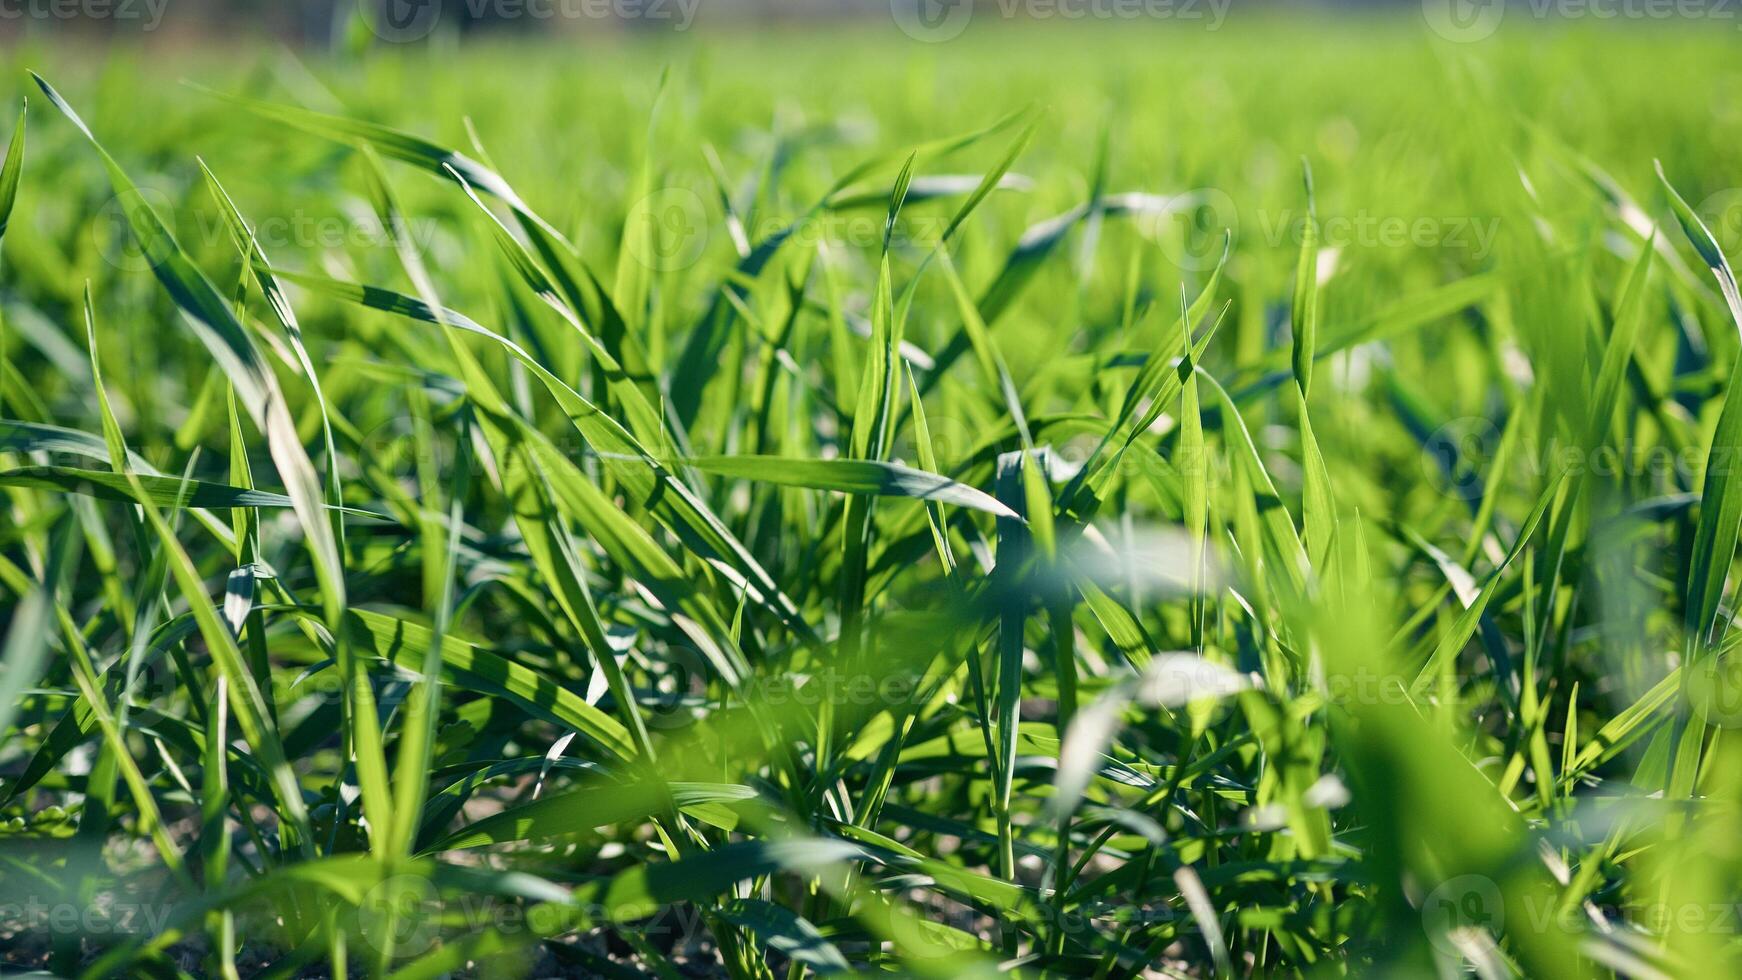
[25, 651]
[164, 491]
[643, 889]
[787, 933]
[404, 147]
[12, 169]
[1150, 393]
[644, 422]
[1721, 493]
[475, 669]
[1303, 311]
[257, 263]
[36, 437]
[1279, 529]
[587, 807]
[230, 345]
[857, 476]
[640, 473]
[1454, 639]
[251, 712]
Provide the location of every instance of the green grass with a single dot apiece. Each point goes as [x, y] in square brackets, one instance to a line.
[1090, 503]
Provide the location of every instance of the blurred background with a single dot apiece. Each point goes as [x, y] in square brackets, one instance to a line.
[322, 22]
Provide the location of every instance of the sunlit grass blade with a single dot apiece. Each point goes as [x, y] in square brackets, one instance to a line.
[583, 808]
[480, 671]
[1721, 494]
[165, 491]
[1453, 639]
[1303, 309]
[11, 170]
[858, 476]
[24, 653]
[231, 346]
[257, 264]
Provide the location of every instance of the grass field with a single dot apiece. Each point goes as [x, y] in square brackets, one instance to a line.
[1099, 503]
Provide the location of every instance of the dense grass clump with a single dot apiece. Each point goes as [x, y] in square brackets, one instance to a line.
[1077, 504]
